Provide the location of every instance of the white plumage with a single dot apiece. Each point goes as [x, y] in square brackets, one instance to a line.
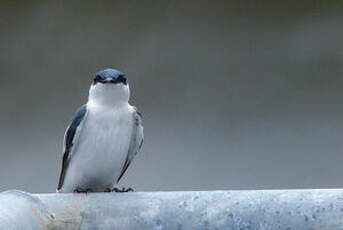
[105, 142]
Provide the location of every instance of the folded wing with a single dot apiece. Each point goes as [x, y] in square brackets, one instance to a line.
[135, 143]
[71, 137]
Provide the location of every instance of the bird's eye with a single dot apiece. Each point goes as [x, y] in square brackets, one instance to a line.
[96, 79]
[122, 79]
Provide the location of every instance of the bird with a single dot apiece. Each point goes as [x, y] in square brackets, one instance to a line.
[102, 138]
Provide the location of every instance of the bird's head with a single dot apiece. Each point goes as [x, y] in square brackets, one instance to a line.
[109, 87]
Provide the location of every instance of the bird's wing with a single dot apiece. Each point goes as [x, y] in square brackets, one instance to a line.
[136, 141]
[70, 139]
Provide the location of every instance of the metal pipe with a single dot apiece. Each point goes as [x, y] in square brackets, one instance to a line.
[259, 209]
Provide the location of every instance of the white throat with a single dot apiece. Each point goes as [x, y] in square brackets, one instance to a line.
[111, 95]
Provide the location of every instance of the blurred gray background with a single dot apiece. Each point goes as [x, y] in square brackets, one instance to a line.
[234, 94]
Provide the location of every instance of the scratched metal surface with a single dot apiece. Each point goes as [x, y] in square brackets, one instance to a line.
[261, 209]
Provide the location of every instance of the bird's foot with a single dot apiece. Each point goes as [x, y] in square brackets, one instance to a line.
[80, 190]
[122, 190]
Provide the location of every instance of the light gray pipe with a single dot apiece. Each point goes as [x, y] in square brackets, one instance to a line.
[259, 209]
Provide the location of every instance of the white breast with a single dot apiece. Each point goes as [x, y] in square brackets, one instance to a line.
[100, 153]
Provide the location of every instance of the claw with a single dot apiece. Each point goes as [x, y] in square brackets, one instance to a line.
[122, 190]
[79, 190]
[129, 190]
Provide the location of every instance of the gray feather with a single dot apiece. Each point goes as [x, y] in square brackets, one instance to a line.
[135, 142]
[69, 141]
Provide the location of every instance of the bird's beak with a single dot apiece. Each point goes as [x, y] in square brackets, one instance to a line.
[108, 80]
